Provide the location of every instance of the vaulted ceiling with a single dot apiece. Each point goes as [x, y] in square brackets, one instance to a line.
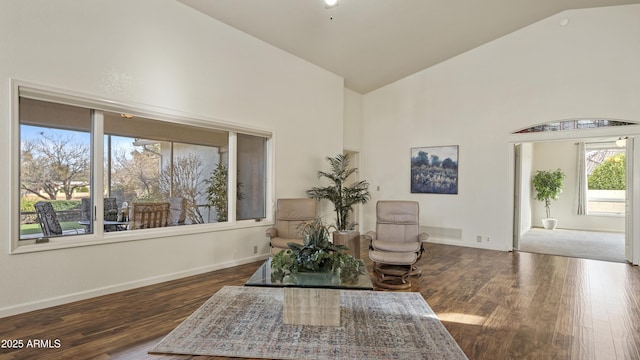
[371, 43]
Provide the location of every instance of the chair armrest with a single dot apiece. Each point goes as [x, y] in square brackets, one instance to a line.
[271, 232]
[370, 235]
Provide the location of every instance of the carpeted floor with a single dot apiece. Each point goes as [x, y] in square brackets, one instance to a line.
[574, 243]
[247, 322]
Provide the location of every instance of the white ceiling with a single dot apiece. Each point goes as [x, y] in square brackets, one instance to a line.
[371, 43]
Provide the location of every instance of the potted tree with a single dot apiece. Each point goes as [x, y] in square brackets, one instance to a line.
[217, 192]
[316, 261]
[548, 185]
[343, 197]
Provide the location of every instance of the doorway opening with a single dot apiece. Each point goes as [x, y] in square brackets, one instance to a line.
[595, 216]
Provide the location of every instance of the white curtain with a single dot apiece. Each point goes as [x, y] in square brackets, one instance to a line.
[582, 181]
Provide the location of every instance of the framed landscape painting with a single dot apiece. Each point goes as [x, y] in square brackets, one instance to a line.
[434, 170]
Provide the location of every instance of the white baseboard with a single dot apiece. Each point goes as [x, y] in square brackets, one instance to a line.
[83, 295]
[483, 245]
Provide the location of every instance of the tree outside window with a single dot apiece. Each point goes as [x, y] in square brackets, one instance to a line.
[606, 180]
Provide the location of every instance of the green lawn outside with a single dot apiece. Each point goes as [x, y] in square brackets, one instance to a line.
[29, 229]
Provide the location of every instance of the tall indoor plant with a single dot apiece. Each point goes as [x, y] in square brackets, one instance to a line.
[343, 197]
[548, 185]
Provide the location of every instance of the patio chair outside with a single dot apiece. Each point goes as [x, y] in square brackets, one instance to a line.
[149, 215]
[48, 219]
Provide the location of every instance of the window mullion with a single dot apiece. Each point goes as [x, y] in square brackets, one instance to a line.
[232, 177]
[97, 171]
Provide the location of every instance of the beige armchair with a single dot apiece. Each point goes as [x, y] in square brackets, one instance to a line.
[397, 243]
[290, 214]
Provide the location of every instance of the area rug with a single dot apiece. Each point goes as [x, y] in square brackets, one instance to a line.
[247, 322]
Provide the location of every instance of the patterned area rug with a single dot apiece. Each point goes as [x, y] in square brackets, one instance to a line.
[247, 322]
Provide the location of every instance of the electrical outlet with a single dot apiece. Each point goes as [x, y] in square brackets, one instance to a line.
[479, 238]
[255, 249]
[488, 239]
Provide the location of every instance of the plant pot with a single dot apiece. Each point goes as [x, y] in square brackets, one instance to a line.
[350, 239]
[549, 223]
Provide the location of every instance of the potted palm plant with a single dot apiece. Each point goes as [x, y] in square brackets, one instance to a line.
[343, 196]
[548, 185]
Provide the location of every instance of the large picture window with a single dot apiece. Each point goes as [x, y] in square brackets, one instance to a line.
[154, 172]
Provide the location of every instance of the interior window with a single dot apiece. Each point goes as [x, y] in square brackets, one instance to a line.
[151, 161]
[155, 173]
[55, 169]
[574, 124]
[251, 177]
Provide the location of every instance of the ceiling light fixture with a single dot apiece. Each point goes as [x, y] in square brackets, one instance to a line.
[127, 116]
[330, 4]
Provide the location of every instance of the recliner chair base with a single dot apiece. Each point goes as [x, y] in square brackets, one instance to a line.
[415, 271]
[393, 277]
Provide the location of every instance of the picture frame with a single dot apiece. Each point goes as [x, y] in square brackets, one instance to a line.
[434, 170]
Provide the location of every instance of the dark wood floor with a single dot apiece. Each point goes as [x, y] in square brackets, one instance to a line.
[497, 305]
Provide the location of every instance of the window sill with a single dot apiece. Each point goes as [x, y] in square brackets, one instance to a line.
[67, 242]
[601, 214]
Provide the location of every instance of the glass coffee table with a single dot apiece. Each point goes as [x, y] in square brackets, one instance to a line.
[262, 277]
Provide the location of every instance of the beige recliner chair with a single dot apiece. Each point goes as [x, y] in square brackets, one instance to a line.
[396, 244]
[290, 214]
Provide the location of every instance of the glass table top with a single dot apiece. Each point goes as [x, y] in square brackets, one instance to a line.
[262, 277]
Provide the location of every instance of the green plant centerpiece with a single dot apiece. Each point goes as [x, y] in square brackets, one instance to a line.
[316, 255]
[548, 186]
[343, 196]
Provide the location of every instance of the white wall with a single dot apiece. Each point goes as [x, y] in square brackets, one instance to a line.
[352, 142]
[158, 53]
[541, 73]
[563, 155]
[352, 120]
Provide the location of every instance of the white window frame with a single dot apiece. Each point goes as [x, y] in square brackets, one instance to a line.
[600, 146]
[100, 105]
